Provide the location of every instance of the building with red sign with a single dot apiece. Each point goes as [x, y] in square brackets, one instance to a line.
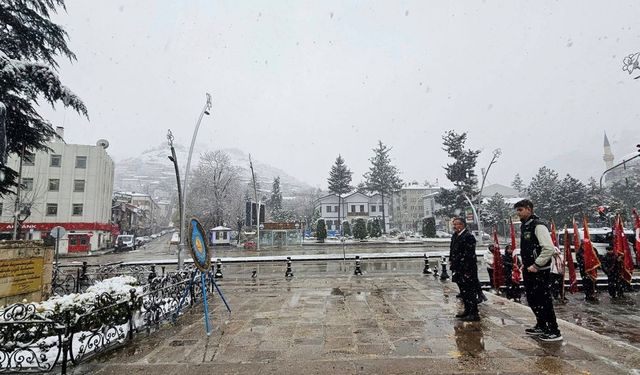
[71, 186]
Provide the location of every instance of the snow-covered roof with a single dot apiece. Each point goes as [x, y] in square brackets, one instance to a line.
[220, 228]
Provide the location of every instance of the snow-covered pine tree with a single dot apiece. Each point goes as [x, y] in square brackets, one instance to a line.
[339, 182]
[382, 178]
[29, 45]
[461, 173]
[518, 184]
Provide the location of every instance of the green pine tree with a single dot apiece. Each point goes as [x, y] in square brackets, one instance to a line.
[461, 173]
[346, 229]
[429, 227]
[321, 230]
[360, 229]
[382, 178]
[29, 45]
[339, 182]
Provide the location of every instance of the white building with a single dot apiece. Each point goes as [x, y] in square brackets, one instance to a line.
[70, 186]
[354, 206]
[412, 203]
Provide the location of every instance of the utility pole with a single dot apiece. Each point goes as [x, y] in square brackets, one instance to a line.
[255, 196]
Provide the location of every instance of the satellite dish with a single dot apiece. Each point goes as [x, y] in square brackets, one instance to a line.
[102, 143]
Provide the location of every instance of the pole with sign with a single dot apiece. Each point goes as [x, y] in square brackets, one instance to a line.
[57, 232]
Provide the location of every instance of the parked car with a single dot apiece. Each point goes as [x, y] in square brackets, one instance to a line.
[600, 238]
[125, 242]
[175, 238]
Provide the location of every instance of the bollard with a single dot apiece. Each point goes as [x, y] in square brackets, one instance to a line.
[357, 271]
[426, 270]
[444, 275]
[218, 274]
[288, 273]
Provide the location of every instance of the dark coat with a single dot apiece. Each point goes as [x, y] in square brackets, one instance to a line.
[462, 255]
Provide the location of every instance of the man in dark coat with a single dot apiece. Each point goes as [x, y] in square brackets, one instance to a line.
[464, 269]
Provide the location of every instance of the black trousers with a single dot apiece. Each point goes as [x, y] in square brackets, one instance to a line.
[469, 292]
[536, 288]
[588, 286]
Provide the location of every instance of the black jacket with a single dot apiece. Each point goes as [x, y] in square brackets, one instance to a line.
[530, 247]
[462, 255]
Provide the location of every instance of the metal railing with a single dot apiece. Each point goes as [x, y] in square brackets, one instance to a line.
[41, 341]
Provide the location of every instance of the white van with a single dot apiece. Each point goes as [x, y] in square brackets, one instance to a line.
[600, 238]
[125, 242]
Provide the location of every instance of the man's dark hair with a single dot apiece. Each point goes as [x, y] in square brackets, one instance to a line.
[524, 203]
[460, 219]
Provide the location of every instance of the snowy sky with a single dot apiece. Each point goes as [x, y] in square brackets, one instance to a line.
[297, 82]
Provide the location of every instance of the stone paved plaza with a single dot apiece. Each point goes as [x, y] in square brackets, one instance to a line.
[372, 324]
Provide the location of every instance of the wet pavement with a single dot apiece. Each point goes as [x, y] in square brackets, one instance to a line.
[379, 323]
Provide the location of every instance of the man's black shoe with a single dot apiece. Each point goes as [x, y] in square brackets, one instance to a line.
[462, 314]
[551, 337]
[535, 331]
[470, 318]
[482, 298]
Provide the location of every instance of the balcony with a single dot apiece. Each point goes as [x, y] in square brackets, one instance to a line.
[355, 214]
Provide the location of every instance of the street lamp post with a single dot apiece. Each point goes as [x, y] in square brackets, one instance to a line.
[205, 111]
[174, 159]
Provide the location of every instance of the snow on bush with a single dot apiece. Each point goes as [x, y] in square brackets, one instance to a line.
[81, 303]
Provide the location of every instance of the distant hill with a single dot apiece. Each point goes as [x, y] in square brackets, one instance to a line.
[152, 172]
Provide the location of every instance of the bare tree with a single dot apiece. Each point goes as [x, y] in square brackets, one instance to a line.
[214, 190]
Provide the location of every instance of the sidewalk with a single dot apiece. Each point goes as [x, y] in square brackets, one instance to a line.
[376, 324]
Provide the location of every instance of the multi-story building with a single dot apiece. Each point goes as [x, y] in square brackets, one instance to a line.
[69, 186]
[136, 213]
[408, 206]
[354, 206]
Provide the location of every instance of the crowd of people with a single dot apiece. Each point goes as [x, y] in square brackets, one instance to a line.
[536, 253]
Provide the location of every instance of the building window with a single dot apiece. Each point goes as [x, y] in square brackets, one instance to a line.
[353, 208]
[52, 209]
[373, 208]
[77, 209]
[362, 208]
[54, 184]
[29, 159]
[329, 224]
[27, 184]
[328, 208]
[335, 208]
[81, 162]
[56, 161]
[78, 185]
[380, 208]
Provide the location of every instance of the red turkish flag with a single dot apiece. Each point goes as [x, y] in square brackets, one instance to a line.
[621, 248]
[516, 274]
[591, 260]
[637, 228]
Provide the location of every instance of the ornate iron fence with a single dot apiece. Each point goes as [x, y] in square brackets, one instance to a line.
[41, 341]
[77, 278]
